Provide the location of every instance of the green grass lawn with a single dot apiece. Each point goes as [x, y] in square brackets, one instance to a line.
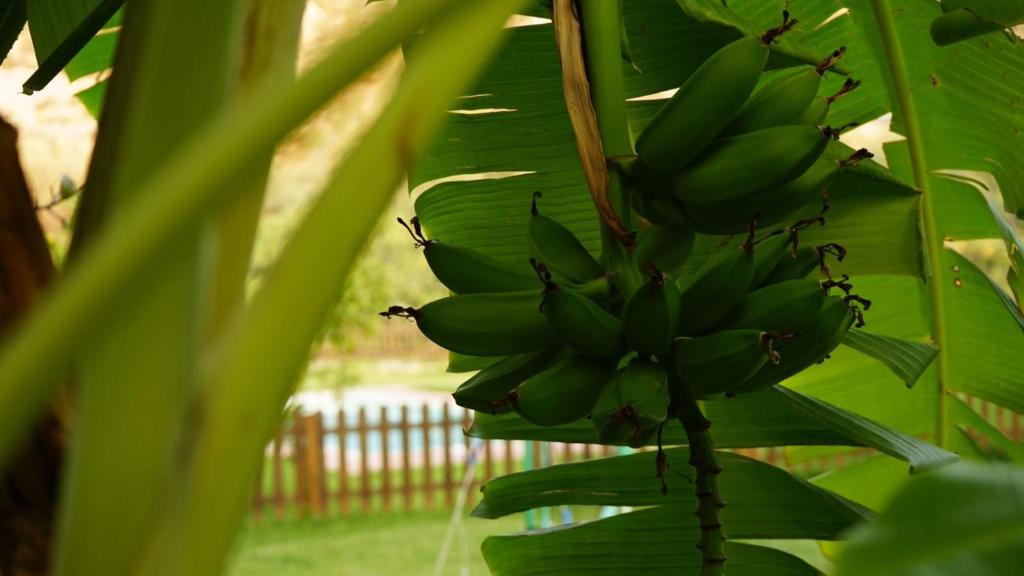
[390, 545]
[364, 545]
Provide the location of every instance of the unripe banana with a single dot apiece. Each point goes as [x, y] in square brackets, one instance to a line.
[747, 164]
[466, 271]
[794, 266]
[563, 393]
[817, 112]
[668, 247]
[660, 210]
[715, 288]
[703, 105]
[782, 101]
[721, 361]
[769, 251]
[809, 347]
[581, 323]
[494, 324]
[560, 250]
[806, 260]
[487, 391]
[773, 205]
[633, 404]
[651, 315]
[786, 307]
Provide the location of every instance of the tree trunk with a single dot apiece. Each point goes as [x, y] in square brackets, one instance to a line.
[29, 482]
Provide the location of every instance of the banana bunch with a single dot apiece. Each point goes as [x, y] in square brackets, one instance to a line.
[720, 153]
[572, 340]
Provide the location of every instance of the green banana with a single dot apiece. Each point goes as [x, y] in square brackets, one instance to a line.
[579, 322]
[487, 391]
[769, 251]
[493, 324]
[786, 307]
[560, 250]
[806, 260]
[633, 404]
[784, 100]
[719, 362]
[715, 288]
[660, 210]
[668, 247]
[466, 271]
[774, 205]
[563, 393]
[817, 112]
[651, 315]
[750, 163]
[809, 347]
[703, 105]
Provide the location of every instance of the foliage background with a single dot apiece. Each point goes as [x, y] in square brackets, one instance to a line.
[57, 132]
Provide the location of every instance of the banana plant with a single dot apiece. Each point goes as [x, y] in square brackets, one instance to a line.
[148, 321]
[903, 378]
[547, 113]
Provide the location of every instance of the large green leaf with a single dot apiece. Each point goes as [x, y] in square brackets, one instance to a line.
[904, 72]
[62, 28]
[919, 454]
[858, 383]
[126, 436]
[642, 542]
[963, 19]
[969, 422]
[749, 420]
[763, 501]
[12, 19]
[906, 359]
[96, 59]
[1015, 249]
[242, 400]
[965, 519]
[718, 13]
[871, 482]
[773, 417]
[986, 335]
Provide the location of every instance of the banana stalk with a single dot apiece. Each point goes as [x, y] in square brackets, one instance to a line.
[706, 468]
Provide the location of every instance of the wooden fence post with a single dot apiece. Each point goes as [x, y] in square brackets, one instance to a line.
[313, 432]
[406, 460]
[343, 488]
[428, 469]
[299, 465]
[385, 464]
[364, 461]
[277, 476]
[509, 456]
[466, 460]
[446, 424]
[488, 460]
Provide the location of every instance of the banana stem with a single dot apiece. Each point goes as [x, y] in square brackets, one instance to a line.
[706, 469]
[936, 277]
[598, 117]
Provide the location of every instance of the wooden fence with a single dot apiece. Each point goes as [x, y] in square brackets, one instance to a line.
[411, 459]
[343, 464]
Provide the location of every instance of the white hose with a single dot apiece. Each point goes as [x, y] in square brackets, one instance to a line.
[460, 503]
